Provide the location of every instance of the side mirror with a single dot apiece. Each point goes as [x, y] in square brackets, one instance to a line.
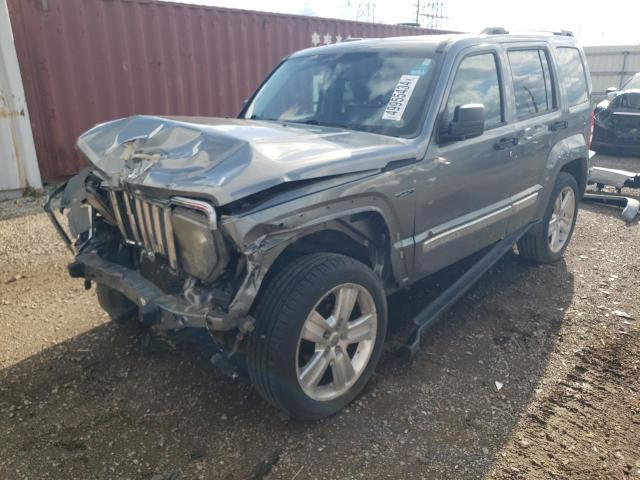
[611, 92]
[468, 122]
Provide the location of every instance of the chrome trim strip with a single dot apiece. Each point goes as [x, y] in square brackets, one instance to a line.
[155, 211]
[141, 223]
[466, 228]
[116, 211]
[171, 244]
[525, 202]
[199, 205]
[132, 218]
[149, 225]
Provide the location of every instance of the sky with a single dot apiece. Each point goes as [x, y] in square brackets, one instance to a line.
[614, 22]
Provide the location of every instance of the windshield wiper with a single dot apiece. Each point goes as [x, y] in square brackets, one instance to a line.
[256, 117]
[313, 121]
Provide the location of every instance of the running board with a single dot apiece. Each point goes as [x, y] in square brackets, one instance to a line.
[457, 289]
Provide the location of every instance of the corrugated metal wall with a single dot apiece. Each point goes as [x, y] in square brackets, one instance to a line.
[611, 66]
[18, 164]
[88, 61]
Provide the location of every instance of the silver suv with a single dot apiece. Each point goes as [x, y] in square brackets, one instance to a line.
[353, 171]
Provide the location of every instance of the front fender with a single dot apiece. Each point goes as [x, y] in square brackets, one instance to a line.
[263, 235]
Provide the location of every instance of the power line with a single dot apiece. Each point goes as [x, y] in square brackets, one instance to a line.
[433, 10]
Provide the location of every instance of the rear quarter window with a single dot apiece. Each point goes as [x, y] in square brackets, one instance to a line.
[531, 82]
[572, 75]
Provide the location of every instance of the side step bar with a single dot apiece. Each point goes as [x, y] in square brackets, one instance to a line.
[618, 179]
[630, 206]
[457, 289]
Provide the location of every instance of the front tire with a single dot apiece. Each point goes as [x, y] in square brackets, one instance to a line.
[320, 328]
[546, 242]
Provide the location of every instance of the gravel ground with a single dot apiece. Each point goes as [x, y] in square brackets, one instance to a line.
[533, 374]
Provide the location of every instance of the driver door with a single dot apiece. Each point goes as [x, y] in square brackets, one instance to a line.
[465, 187]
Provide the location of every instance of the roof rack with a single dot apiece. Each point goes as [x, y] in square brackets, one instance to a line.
[504, 31]
[494, 31]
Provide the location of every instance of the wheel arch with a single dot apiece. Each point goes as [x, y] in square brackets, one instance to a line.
[363, 236]
[361, 232]
[578, 168]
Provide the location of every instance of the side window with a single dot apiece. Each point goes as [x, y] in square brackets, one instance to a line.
[572, 74]
[531, 82]
[477, 81]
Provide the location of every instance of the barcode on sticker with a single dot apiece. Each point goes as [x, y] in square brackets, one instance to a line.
[400, 97]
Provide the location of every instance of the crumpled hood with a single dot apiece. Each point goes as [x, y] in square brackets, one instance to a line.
[228, 159]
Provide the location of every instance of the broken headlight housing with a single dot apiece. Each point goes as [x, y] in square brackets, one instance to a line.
[201, 250]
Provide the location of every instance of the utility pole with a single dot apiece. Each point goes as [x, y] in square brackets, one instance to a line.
[434, 12]
[366, 12]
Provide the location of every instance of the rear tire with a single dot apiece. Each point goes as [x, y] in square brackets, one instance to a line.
[300, 357]
[120, 308]
[546, 242]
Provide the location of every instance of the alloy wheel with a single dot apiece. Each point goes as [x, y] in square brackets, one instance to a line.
[336, 342]
[561, 221]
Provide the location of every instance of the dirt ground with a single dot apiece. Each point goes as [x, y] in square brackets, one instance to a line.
[534, 374]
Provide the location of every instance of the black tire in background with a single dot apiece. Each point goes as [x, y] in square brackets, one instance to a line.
[281, 312]
[119, 307]
[535, 245]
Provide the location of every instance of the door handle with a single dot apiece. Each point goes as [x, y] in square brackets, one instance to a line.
[505, 143]
[555, 126]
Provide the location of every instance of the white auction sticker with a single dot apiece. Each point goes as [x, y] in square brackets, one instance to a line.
[400, 97]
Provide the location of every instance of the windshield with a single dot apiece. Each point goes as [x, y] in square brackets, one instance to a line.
[380, 92]
[633, 83]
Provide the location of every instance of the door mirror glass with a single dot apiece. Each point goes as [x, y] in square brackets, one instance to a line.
[467, 122]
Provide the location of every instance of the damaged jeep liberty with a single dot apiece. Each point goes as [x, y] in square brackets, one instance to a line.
[354, 170]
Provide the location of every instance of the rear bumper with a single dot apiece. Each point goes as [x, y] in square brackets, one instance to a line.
[163, 311]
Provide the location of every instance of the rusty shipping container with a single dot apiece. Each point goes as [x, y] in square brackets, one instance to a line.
[88, 61]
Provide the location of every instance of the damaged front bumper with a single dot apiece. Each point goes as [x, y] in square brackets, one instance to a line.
[156, 308]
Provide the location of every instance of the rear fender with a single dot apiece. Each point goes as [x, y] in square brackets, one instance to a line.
[564, 152]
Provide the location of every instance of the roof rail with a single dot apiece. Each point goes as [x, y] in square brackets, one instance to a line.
[494, 31]
[504, 31]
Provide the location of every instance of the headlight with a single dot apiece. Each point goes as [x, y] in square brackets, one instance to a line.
[201, 250]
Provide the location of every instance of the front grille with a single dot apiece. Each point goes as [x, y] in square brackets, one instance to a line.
[145, 223]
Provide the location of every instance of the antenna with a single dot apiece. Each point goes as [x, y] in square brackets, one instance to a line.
[433, 11]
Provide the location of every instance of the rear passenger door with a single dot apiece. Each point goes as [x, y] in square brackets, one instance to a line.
[538, 123]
